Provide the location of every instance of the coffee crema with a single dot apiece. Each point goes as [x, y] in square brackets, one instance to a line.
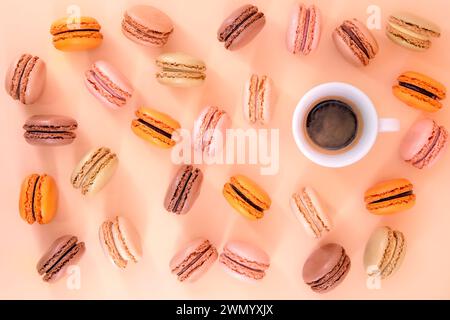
[332, 124]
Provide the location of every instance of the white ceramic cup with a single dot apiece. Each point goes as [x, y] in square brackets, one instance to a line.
[371, 124]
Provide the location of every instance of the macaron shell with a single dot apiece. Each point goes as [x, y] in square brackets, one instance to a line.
[369, 40]
[256, 257]
[239, 204]
[301, 218]
[344, 46]
[150, 18]
[398, 256]
[66, 24]
[11, 78]
[379, 250]
[425, 82]
[26, 198]
[180, 61]
[321, 262]
[249, 32]
[236, 17]
[218, 140]
[249, 98]
[416, 100]
[35, 79]
[392, 206]
[265, 101]
[47, 199]
[79, 41]
[415, 24]
[293, 33]
[180, 79]
[438, 150]
[109, 247]
[204, 264]
[127, 239]
[100, 175]
[418, 136]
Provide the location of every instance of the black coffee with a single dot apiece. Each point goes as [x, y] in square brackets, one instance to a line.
[332, 124]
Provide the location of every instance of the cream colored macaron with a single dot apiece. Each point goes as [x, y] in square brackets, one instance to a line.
[180, 70]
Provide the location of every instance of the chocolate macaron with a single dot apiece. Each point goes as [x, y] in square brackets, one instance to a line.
[183, 190]
[64, 251]
[326, 268]
[50, 130]
[241, 26]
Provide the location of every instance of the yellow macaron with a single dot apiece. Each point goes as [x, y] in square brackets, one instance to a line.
[246, 197]
[76, 34]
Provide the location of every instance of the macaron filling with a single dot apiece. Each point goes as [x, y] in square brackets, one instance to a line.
[154, 128]
[354, 37]
[418, 89]
[193, 261]
[246, 199]
[397, 196]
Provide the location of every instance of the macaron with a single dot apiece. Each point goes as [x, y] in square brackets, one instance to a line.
[147, 26]
[355, 42]
[120, 241]
[304, 29]
[241, 26]
[258, 99]
[25, 78]
[390, 196]
[209, 131]
[410, 31]
[424, 144]
[419, 91]
[183, 190]
[38, 199]
[307, 208]
[244, 261]
[76, 35]
[326, 268]
[384, 252]
[246, 197]
[94, 170]
[63, 252]
[50, 130]
[180, 70]
[194, 260]
[108, 85]
[155, 127]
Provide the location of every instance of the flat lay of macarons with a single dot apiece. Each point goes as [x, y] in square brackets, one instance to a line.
[102, 100]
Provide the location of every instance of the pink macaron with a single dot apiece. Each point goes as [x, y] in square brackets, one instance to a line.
[108, 85]
[191, 262]
[209, 131]
[303, 33]
[258, 99]
[424, 144]
[244, 261]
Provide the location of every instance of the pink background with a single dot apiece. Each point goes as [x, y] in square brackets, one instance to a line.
[137, 190]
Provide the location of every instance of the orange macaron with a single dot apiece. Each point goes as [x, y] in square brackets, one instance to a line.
[419, 91]
[78, 34]
[38, 199]
[389, 197]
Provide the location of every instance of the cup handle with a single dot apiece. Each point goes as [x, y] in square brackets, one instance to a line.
[388, 125]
